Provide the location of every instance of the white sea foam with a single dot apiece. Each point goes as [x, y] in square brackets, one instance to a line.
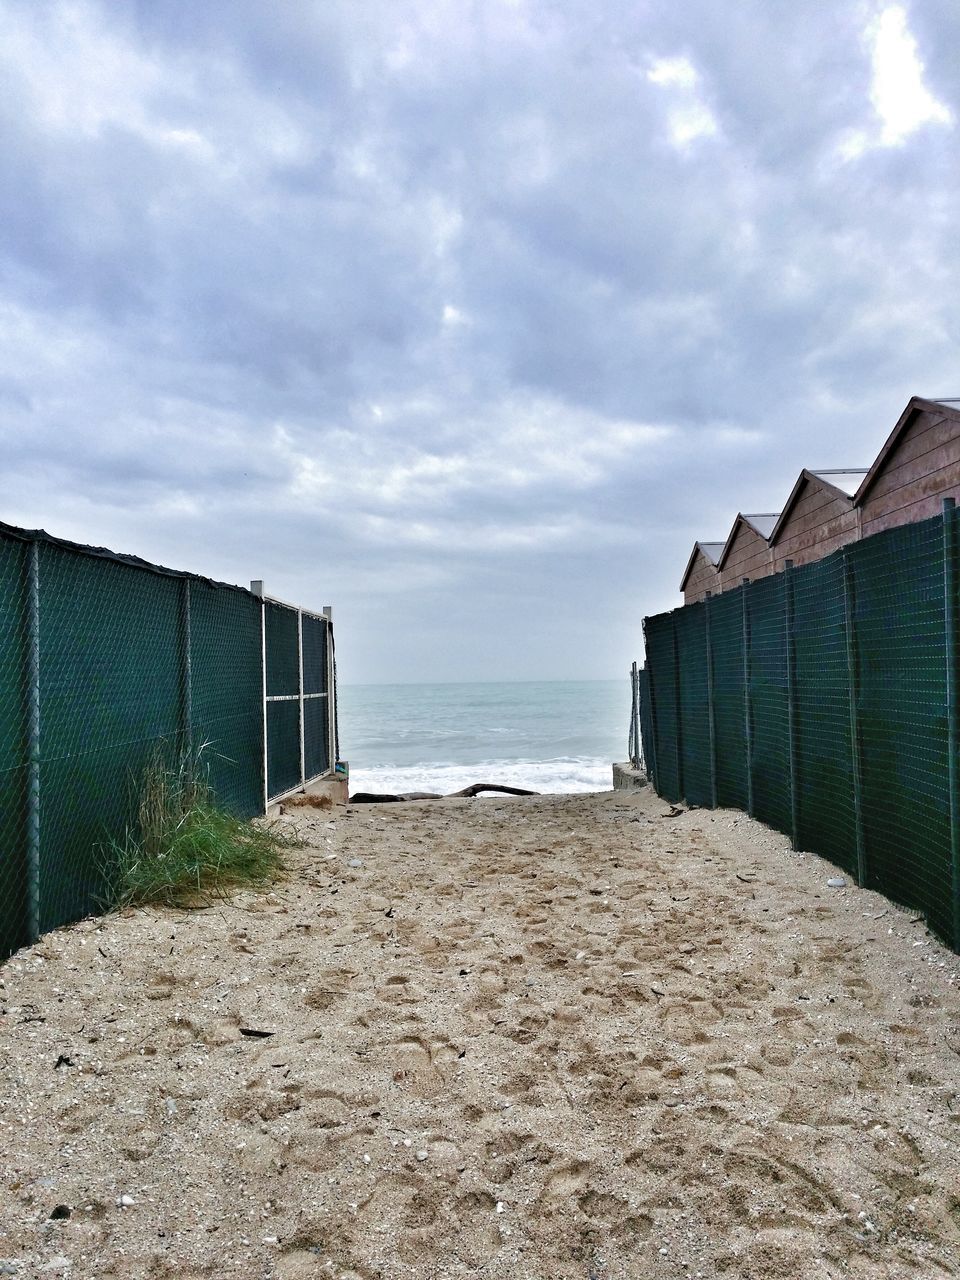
[551, 776]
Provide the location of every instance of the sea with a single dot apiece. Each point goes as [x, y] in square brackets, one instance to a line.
[547, 736]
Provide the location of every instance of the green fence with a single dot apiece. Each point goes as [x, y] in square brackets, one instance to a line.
[103, 659]
[823, 700]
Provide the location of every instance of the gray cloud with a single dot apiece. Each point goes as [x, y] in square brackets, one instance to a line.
[466, 318]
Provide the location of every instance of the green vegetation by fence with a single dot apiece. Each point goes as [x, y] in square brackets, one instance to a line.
[824, 701]
[105, 659]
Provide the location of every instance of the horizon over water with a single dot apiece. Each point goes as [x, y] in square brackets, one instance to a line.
[544, 735]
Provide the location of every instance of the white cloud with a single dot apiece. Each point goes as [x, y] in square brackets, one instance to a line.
[688, 117]
[900, 98]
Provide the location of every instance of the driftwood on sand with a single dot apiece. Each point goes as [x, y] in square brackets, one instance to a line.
[370, 797]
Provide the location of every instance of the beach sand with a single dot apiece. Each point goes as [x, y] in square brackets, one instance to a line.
[564, 1036]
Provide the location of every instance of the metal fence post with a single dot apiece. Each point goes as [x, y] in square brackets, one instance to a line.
[747, 717]
[187, 667]
[790, 653]
[303, 750]
[633, 749]
[333, 736]
[33, 742]
[257, 588]
[950, 600]
[711, 713]
[853, 690]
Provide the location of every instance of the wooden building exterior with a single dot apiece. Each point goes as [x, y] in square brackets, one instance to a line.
[918, 466]
[819, 517]
[701, 577]
[915, 470]
[746, 552]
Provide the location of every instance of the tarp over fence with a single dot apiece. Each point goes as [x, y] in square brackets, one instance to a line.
[824, 701]
[103, 658]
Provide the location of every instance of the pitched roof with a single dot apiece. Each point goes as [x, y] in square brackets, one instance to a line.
[915, 405]
[847, 480]
[709, 550]
[844, 483]
[762, 524]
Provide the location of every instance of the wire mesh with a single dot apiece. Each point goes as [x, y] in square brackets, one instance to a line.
[282, 631]
[830, 709]
[899, 614]
[646, 723]
[726, 643]
[316, 719]
[665, 703]
[314, 654]
[227, 692]
[826, 815]
[112, 689]
[106, 660]
[283, 747]
[283, 650]
[316, 734]
[769, 701]
[691, 630]
[13, 746]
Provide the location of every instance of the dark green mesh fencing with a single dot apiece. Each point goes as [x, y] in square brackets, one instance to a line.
[835, 707]
[106, 660]
[283, 747]
[768, 703]
[316, 721]
[665, 704]
[726, 649]
[316, 737]
[283, 651]
[691, 631]
[826, 815]
[298, 710]
[227, 692]
[14, 642]
[314, 655]
[112, 688]
[898, 591]
[646, 723]
[283, 699]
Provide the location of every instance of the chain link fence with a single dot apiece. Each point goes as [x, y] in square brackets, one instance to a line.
[824, 701]
[103, 660]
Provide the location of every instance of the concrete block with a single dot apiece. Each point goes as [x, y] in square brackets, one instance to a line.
[627, 778]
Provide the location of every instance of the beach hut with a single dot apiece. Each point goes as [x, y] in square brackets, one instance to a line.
[819, 516]
[746, 552]
[700, 577]
[915, 470]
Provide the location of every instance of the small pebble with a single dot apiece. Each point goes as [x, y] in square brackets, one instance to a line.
[836, 882]
[421, 1155]
[355, 862]
[125, 1201]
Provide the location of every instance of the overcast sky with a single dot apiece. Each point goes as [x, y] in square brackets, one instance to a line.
[465, 317]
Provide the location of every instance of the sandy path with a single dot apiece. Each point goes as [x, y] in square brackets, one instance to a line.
[556, 1037]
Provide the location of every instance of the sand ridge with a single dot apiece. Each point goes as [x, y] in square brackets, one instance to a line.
[564, 1036]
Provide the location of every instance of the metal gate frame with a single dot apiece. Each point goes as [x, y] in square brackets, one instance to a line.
[300, 697]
